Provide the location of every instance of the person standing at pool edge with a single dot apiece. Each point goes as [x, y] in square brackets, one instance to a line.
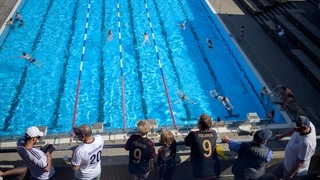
[204, 157]
[167, 155]
[299, 150]
[242, 32]
[141, 152]
[252, 156]
[86, 158]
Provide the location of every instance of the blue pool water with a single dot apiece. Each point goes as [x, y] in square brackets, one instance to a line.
[54, 35]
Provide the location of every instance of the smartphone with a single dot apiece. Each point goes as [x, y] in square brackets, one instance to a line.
[49, 147]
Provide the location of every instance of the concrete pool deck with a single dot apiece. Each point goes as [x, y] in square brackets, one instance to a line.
[265, 55]
[273, 65]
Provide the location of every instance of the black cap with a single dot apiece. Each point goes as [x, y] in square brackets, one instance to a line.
[301, 122]
[262, 135]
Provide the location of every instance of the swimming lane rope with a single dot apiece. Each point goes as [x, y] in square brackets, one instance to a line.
[80, 70]
[160, 65]
[121, 67]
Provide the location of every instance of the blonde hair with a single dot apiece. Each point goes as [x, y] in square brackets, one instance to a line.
[166, 137]
[143, 127]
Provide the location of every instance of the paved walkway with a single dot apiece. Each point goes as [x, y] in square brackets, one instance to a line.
[6, 10]
[266, 56]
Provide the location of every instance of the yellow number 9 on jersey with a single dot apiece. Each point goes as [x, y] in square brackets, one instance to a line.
[137, 155]
[207, 147]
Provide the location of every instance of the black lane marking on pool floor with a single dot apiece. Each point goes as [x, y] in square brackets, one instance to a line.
[170, 56]
[15, 101]
[137, 58]
[55, 115]
[102, 74]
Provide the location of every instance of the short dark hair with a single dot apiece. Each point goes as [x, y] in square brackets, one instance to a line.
[27, 138]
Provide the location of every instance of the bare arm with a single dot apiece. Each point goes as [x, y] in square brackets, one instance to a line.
[225, 105]
[175, 102]
[213, 93]
[74, 167]
[190, 100]
[295, 168]
[19, 171]
[18, 57]
[288, 133]
[228, 101]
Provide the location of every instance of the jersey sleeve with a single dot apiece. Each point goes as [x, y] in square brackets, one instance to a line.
[188, 139]
[152, 150]
[129, 142]
[76, 158]
[41, 162]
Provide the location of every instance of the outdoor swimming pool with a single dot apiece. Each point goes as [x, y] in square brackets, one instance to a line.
[121, 75]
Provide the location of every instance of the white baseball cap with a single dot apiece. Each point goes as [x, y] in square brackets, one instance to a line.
[33, 131]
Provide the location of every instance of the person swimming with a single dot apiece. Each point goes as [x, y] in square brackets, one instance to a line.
[183, 97]
[224, 100]
[145, 39]
[209, 43]
[30, 59]
[110, 35]
[21, 23]
[17, 17]
[9, 22]
[183, 25]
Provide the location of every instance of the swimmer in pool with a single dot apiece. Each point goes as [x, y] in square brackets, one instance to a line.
[183, 25]
[145, 39]
[209, 43]
[183, 97]
[224, 100]
[18, 17]
[30, 59]
[110, 35]
[8, 23]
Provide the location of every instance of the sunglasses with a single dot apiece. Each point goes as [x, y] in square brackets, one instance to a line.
[78, 134]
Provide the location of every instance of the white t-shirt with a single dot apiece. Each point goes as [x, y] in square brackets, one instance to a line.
[88, 157]
[300, 147]
[36, 161]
